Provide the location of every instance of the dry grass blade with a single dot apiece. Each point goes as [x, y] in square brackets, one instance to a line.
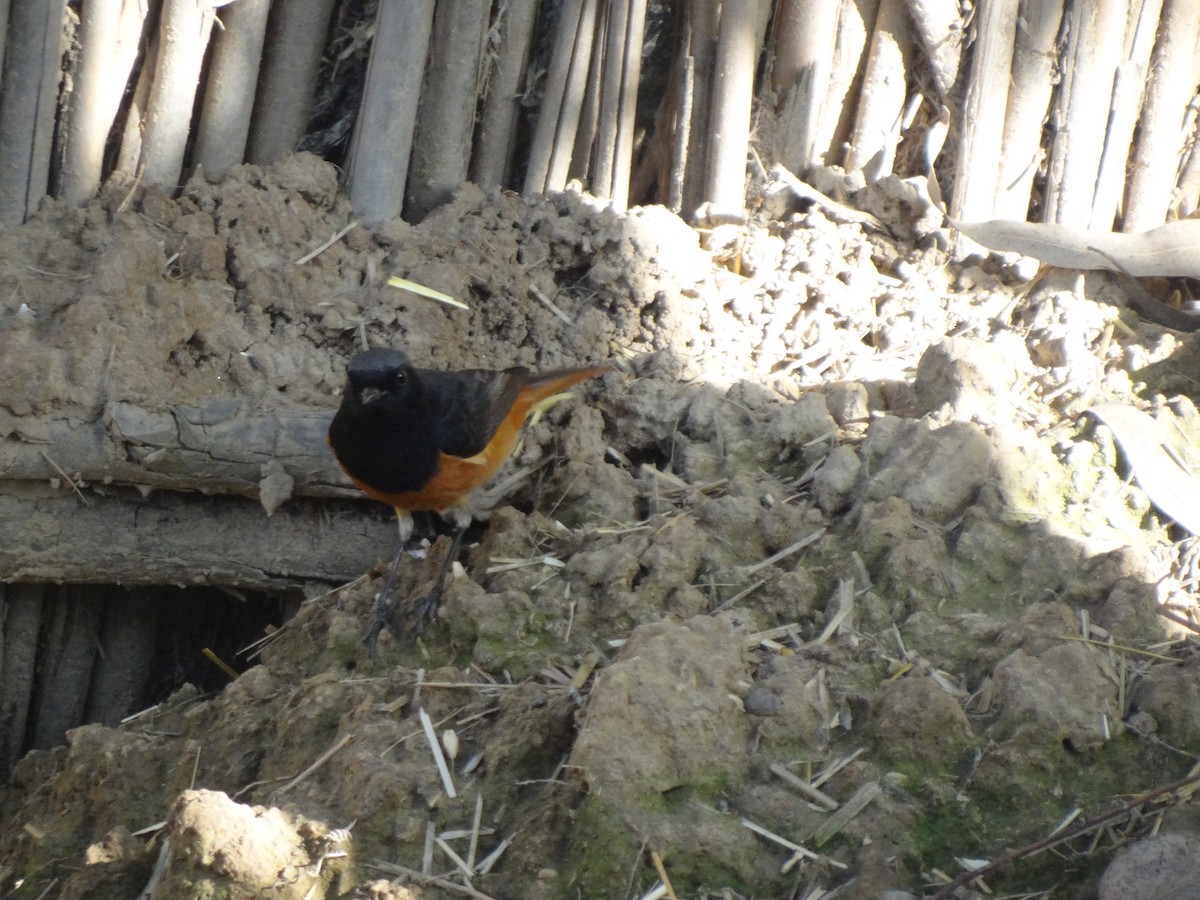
[790, 845]
[1159, 799]
[738, 597]
[836, 822]
[836, 766]
[486, 686]
[71, 481]
[506, 564]
[804, 787]
[662, 873]
[1178, 619]
[1125, 648]
[455, 858]
[438, 757]
[212, 657]
[337, 236]
[786, 552]
[779, 631]
[485, 865]
[160, 869]
[320, 761]
[845, 607]
[474, 845]
[549, 304]
[427, 856]
[150, 710]
[424, 878]
[421, 290]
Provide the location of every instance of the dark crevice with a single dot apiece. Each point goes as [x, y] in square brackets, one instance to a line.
[77, 654]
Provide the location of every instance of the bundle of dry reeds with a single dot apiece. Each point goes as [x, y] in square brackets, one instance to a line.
[1074, 111]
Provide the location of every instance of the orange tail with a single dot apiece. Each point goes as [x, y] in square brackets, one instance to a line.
[547, 384]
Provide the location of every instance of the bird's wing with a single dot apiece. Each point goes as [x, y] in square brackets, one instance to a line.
[470, 405]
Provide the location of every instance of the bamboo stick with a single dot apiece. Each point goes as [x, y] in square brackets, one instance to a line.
[610, 97]
[1185, 196]
[495, 136]
[442, 141]
[377, 169]
[678, 166]
[881, 99]
[290, 67]
[130, 151]
[804, 41]
[183, 39]
[1031, 85]
[1097, 29]
[856, 21]
[974, 194]
[580, 165]
[732, 93]
[1172, 82]
[574, 89]
[631, 77]
[27, 106]
[623, 161]
[224, 127]
[700, 23]
[1129, 85]
[672, 133]
[542, 146]
[109, 34]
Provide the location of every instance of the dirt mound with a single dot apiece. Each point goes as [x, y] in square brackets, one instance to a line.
[832, 583]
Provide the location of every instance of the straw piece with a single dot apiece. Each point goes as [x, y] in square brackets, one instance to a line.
[337, 236]
[426, 878]
[320, 761]
[804, 787]
[786, 552]
[662, 874]
[485, 865]
[836, 822]
[406, 285]
[438, 758]
[474, 845]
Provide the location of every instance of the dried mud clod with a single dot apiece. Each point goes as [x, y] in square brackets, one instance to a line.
[828, 585]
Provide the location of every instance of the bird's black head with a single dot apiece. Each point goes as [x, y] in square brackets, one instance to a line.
[375, 375]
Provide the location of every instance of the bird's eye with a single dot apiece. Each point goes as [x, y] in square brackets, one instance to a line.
[399, 377]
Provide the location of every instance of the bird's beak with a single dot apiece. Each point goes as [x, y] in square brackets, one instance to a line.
[370, 395]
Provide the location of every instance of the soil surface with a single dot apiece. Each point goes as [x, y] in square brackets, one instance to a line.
[833, 583]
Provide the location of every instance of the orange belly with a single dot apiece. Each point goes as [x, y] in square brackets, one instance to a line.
[456, 476]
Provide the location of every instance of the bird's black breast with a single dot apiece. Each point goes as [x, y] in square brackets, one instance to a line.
[386, 448]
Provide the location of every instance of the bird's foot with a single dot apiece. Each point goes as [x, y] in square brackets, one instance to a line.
[377, 625]
[383, 606]
[426, 610]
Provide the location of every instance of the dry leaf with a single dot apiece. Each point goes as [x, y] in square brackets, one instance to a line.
[1167, 250]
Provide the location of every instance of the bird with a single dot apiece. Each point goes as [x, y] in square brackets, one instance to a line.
[422, 440]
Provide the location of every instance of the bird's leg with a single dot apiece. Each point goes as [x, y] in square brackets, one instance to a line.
[383, 608]
[427, 606]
